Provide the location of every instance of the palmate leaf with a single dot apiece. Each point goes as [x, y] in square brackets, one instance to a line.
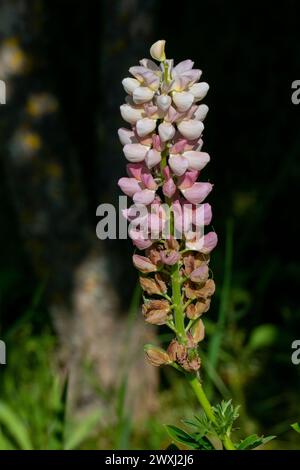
[296, 427]
[253, 441]
[225, 414]
[193, 441]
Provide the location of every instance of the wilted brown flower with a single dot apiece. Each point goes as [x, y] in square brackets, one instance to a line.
[156, 311]
[192, 261]
[153, 253]
[153, 286]
[177, 351]
[185, 355]
[197, 332]
[199, 291]
[156, 356]
[193, 364]
[194, 311]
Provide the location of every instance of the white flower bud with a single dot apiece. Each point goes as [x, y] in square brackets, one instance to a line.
[199, 90]
[130, 84]
[126, 136]
[142, 94]
[152, 158]
[130, 114]
[157, 50]
[166, 131]
[135, 153]
[196, 160]
[183, 100]
[164, 102]
[201, 112]
[145, 126]
[190, 129]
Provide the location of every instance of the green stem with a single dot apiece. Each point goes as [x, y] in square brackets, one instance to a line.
[228, 443]
[203, 400]
[177, 303]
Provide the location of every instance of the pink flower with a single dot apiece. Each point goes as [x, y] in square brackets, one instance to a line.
[205, 244]
[197, 193]
[166, 123]
[141, 187]
[129, 186]
[169, 257]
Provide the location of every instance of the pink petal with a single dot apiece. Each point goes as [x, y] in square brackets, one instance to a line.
[197, 193]
[153, 158]
[169, 257]
[149, 64]
[139, 240]
[166, 131]
[129, 186]
[135, 152]
[183, 66]
[169, 188]
[210, 242]
[145, 126]
[191, 129]
[178, 147]
[143, 264]
[201, 112]
[196, 160]
[126, 136]
[200, 274]
[171, 115]
[157, 144]
[188, 179]
[146, 196]
[204, 244]
[148, 181]
[135, 170]
[178, 164]
[202, 215]
[192, 75]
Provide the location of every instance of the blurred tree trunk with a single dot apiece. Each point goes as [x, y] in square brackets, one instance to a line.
[44, 168]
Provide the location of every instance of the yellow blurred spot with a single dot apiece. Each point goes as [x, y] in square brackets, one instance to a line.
[40, 104]
[12, 57]
[32, 141]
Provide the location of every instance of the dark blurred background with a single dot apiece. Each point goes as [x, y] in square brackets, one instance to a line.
[65, 296]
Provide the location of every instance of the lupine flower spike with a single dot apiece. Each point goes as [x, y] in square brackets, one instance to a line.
[164, 149]
[168, 221]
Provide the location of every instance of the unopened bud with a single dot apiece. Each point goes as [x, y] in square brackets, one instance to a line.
[157, 50]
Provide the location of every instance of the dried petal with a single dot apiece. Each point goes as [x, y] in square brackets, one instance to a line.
[143, 264]
[156, 356]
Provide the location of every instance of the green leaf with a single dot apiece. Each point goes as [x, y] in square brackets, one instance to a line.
[262, 336]
[80, 432]
[193, 441]
[60, 418]
[253, 441]
[5, 443]
[181, 436]
[296, 427]
[15, 427]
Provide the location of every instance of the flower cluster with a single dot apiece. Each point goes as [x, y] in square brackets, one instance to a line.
[163, 147]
